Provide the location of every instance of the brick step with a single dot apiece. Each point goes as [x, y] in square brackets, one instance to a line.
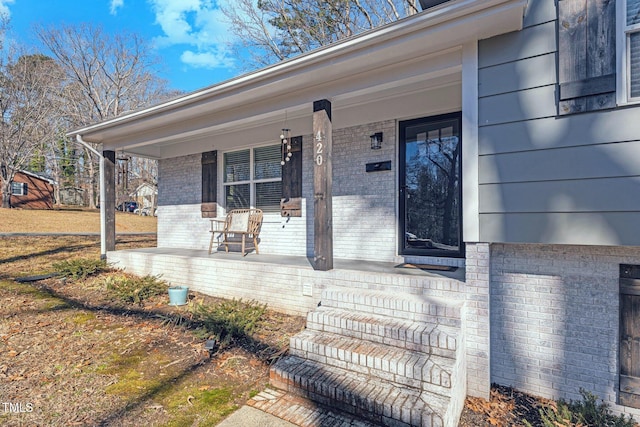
[418, 336]
[381, 402]
[419, 370]
[302, 411]
[419, 308]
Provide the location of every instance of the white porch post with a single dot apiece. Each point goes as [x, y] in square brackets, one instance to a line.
[470, 189]
[478, 255]
[103, 193]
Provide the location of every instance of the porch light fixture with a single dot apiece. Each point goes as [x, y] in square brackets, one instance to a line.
[376, 141]
[285, 141]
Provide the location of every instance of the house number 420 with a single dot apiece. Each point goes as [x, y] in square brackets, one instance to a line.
[319, 154]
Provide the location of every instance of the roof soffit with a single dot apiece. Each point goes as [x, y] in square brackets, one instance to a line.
[328, 70]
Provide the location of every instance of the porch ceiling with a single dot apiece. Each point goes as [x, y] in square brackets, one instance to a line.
[361, 76]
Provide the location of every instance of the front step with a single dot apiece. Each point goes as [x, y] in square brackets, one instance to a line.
[417, 336]
[356, 394]
[417, 308]
[420, 370]
[303, 412]
[392, 359]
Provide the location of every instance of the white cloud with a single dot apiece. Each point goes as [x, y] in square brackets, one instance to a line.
[208, 60]
[115, 5]
[4, 7]
[198, 24]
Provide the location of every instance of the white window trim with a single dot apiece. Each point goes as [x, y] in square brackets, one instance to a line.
[252, 181]
[21, 193]
[623, 86]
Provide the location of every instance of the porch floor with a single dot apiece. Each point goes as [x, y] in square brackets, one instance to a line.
[457, 273]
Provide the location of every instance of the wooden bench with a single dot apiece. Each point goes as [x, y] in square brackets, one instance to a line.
[239, 222]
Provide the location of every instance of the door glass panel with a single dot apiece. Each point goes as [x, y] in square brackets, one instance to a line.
[430, 186]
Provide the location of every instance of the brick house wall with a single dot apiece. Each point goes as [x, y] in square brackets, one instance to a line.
[364, 204]
[555, 318]
[39, 193]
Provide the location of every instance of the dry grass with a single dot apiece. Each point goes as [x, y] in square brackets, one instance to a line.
[73, 354]
[70, 221]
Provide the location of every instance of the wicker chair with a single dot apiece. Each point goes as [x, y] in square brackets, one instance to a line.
[242, 222]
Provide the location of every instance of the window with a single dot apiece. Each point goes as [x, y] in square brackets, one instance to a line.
[253, 178]
[18, 189]
[629, 51]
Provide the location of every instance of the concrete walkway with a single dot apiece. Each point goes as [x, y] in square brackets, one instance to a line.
[252, 417]
[276, 408]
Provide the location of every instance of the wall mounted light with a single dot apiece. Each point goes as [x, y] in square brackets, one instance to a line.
[376, 141]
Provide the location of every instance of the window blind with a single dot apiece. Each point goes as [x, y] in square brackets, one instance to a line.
[236, 166]
[268, 196]
[633, 12]
[267, 162]
[634, 64]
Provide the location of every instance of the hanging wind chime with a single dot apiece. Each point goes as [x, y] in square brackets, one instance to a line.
[285, 140]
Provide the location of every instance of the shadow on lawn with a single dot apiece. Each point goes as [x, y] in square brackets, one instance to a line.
[262, 350]
[63, 246]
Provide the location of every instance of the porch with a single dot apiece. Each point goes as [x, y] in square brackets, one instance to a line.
[285, 283]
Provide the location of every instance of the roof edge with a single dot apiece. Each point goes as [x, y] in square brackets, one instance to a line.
[437, 15]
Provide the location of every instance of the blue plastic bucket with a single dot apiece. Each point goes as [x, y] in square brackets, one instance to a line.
[178, 295]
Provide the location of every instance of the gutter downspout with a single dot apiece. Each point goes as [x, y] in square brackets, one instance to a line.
[103, 208]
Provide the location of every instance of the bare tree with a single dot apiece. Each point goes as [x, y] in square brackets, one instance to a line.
[105, 76]
[25, 107]
[273, 30]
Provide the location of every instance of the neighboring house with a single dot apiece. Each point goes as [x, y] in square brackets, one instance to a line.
[30, 190]
[73, 196]
[145, 195]
[501, 136]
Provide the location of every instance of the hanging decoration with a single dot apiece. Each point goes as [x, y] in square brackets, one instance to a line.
[285, 141]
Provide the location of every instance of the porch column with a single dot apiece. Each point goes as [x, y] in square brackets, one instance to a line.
[322, 183]
[107, 174]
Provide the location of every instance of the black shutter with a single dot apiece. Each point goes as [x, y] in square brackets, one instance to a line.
[629, 336]
[586, 55]
[209, 184]
[291, 202]
[24, 189]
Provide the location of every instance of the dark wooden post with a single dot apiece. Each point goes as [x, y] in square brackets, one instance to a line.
[322, 183]
[110, 198]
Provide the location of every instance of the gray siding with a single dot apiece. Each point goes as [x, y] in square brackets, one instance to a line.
[545, 178]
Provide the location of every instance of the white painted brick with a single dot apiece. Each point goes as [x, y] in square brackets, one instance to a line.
[565, 334]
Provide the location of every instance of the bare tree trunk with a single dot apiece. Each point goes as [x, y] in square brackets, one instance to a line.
[6, 195]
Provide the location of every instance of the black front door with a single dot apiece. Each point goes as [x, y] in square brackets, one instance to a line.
[430, 186]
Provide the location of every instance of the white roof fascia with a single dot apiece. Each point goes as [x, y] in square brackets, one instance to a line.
[443, 21]
[40, 177]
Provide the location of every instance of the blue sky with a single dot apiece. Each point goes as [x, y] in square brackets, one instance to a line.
[189, 35]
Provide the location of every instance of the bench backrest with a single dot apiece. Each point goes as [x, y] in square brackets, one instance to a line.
[244, 221]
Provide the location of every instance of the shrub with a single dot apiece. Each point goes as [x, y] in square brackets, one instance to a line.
[80, 268]
[133, 289]
[228, 320]
[587, 412]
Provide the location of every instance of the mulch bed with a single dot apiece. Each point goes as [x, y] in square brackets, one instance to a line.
[507, 407]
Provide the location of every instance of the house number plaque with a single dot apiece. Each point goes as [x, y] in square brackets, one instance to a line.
[319, 151]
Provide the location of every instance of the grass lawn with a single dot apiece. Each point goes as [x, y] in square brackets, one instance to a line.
[70, 221]
[74, 352]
